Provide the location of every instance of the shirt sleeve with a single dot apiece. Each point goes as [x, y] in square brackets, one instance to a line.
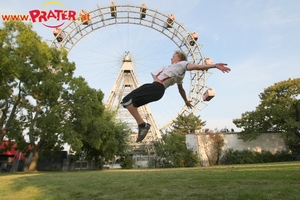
[184, 64]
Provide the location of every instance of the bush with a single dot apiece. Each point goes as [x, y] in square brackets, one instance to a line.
[127, 162]
[191, 159]
[231, 156]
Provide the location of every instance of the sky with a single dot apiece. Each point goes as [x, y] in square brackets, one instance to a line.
[258, 39]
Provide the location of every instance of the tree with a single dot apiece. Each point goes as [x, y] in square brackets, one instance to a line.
[278, 111]
[33, 80]
[95, 130]
[172, 148]
[105, 139]
[212, 144]
[187, 124]
[9, 70]
[43, 104]
[127, 162]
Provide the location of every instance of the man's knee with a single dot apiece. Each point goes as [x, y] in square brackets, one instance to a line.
[125, 102]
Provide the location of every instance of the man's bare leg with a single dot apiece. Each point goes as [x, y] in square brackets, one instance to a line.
[142, 126]
[135, 113]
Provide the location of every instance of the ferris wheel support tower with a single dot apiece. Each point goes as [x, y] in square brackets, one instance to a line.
[125, 83]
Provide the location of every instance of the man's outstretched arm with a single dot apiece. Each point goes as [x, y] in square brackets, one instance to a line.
[183, 95]
[220, 66]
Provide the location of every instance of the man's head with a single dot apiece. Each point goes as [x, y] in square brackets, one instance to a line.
[208, 61]
[178, 56]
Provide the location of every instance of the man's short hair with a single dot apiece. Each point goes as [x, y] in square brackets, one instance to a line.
[181, 55]
[208, 61]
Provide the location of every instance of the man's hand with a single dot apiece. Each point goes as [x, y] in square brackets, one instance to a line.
[222, 67]
[188, 104]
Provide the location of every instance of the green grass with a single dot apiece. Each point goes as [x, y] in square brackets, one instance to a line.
[262, 181]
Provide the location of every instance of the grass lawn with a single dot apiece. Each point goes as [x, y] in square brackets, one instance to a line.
[261, 181]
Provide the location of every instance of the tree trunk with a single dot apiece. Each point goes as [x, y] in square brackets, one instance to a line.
[97, 162]
[34, 161]
[2, 134]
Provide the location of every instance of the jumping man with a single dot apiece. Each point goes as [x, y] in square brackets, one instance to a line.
[164, 78]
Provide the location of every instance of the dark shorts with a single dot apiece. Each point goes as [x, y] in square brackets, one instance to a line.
[145, 94]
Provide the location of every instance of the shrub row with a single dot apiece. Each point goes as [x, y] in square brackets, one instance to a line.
[232, 156]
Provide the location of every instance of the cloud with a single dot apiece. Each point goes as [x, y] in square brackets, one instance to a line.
[278, 17]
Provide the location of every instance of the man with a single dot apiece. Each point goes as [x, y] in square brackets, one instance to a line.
[164, 78]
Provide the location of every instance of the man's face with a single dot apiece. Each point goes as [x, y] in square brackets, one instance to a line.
[175, 58]
[208, 61]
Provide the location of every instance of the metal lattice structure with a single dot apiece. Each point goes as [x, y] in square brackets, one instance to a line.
[137, 15]
[125, 83]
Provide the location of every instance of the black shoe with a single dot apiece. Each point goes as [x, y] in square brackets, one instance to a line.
[143, 132]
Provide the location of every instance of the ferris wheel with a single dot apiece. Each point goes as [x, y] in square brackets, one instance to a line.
[109, 33]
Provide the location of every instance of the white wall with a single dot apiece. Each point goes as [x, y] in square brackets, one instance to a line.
[267, 141]
[191, 142]
[200, 143]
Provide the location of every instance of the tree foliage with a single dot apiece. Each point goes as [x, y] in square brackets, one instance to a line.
[278, 111]
[104, 138]
[94, 129]
[187, 124]
[32, 78]
[127, 162]
[212, 144]
[43, 104]
[172, 150]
